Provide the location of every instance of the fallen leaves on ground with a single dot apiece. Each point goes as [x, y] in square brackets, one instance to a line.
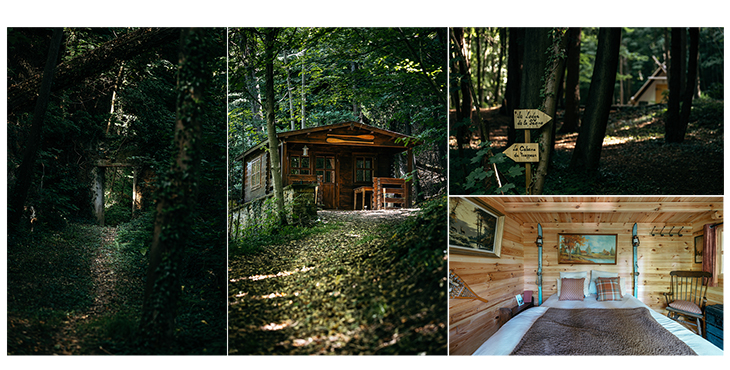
[362, 288]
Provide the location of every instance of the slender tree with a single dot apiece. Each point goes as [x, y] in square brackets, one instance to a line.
[553, 77]
[676, 75]
[514, 77]
[587, 153]
[25, 170]
[270, 36]
[177, 193]
[572, 82]
[678, 115]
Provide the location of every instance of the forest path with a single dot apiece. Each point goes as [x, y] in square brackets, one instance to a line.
[327, 293]
[65, 285]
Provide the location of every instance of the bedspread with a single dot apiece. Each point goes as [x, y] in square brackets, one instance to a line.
[628, 331]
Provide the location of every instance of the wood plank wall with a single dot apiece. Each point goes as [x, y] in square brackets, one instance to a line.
[471, 321]
[658, 255]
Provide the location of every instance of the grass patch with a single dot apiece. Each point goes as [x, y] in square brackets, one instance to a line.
[255, 244]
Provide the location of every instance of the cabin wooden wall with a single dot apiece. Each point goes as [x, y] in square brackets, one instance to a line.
[658, 255]
[498, 280]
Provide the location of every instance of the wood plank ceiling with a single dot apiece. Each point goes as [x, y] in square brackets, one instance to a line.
[659, 210]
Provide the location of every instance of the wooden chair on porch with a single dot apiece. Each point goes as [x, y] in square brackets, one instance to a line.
[387, 190]
[687, 297]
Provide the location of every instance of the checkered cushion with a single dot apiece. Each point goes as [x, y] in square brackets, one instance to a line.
[571, 289]
[608, 289]
[686, 306]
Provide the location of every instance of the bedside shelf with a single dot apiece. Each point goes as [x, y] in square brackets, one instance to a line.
[506, 313]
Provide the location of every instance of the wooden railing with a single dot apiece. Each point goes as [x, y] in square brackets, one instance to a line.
[391, 191]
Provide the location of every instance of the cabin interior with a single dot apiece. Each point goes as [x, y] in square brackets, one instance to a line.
[667, 228]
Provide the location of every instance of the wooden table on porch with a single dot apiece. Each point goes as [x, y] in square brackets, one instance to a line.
[362, 190]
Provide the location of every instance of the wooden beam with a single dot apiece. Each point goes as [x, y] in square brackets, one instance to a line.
[610, 207]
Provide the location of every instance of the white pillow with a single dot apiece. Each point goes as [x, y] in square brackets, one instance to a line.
[575, 275]
[595, 274]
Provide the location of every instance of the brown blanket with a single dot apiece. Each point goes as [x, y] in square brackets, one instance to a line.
[631, 331]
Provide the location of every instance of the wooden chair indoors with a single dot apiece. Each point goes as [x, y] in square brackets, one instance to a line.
[687, 297]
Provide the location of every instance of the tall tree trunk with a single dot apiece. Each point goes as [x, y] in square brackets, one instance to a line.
[587, 153]
[269, 45]
[288, 91]
[480, 68]
[24, 173]
[692, 69]
[572, 82]
[498, 73]
[683, 82]
[177, 194]
[553, 77]
[537, 42]
[514, 78]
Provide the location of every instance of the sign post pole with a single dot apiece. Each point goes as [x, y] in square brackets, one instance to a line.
[528, 119]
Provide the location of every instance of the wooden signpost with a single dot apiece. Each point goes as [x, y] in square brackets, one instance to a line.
[527, 119]
[523, 152]
[530, 119]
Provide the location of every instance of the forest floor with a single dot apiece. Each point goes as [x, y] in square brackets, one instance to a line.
[635, 160]
[361, 286]
[78, 291]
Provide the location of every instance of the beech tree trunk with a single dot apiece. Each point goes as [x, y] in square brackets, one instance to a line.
[553, 77]
[678, 116]
[587, 153]
[177, 194]
[673, 132]
[571, 120]
[24, 173]
[270, 54]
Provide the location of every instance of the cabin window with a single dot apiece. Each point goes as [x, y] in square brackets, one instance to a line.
[299, 165]
[325, 167]
[256, 173]
[364, 169]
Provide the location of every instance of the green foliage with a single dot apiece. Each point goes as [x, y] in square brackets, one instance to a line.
[474, 182]
[708, 112]
[338, 75]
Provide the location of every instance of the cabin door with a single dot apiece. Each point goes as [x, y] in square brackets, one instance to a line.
[325, 166]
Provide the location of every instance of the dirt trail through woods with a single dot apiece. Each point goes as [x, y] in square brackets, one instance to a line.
[68, 339]
[73, 271]
[317, 295]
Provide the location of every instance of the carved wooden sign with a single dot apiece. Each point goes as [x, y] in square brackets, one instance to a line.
[530, 118]
[523, 152]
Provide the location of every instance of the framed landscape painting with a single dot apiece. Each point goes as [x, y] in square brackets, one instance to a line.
[592, 249]
[474, 228]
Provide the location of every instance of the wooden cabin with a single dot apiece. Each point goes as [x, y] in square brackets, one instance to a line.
[667, 228]
[652, 91]
[343, 159]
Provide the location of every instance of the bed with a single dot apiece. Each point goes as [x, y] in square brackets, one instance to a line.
[512, 338]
